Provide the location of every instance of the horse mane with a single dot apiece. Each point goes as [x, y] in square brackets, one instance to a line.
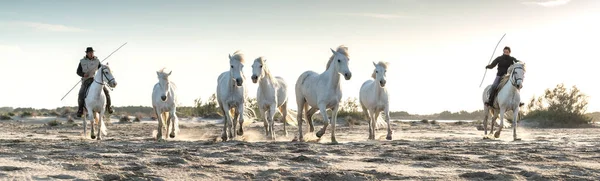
[340, 49]
[239, 56]
[265, 68]
[382, 64]
[162, 71]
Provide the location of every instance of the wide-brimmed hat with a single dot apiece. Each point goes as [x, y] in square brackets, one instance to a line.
[89, 49]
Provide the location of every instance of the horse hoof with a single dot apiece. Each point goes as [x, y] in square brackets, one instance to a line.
[99, 138]
[517, 139]
[486, 137]
[320, 133]
[93, 137]
[240, 132]
[497, 135]
[333, 141]
[161, 140]
[172, 135]
[389, 137]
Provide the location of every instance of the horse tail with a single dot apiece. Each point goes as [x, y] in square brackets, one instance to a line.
[176, 120]
[291, 118]
[380, 122]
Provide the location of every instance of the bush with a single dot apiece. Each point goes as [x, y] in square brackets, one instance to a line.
[54, 123]
[138, 117]
[27, 114]
[425, 121]
[433, 122]
[125, 119]
[70, 120]
[559, 107]
[11, 114]
[210, 107]
[460, 123]
[5, 117]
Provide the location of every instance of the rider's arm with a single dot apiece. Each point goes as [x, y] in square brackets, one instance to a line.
[493, 64]
[80, 70]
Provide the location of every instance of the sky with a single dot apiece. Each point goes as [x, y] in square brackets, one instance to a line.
[437, 49]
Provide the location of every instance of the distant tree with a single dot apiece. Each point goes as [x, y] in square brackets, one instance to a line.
[559, 107]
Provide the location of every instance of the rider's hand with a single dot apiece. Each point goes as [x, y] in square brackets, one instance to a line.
[85, 75]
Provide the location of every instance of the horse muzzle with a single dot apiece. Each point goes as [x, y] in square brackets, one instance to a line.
[112, 84]
[163, 98]
[382, 83]
[254, 78]
[347, 76]
[239, 81]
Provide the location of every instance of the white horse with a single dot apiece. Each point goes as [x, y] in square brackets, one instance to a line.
[271, 95]
[323, 91]
[508, 98]
[374, 98]
[231, 94]
[164, 102]
[95, 101]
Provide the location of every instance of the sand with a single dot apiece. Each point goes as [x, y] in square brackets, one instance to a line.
[31, 150]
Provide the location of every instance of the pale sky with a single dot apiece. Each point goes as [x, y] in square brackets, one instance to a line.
[437, 49]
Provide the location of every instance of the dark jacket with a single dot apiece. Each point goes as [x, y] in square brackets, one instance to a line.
[503, 63]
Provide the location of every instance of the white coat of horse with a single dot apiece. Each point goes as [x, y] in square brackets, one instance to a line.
[508, 98]
[323, 91]
[271, 96]
[374, 98]
[231, 94]
[95, 101]
[164, 103]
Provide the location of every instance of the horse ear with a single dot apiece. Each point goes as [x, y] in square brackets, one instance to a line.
[265, 60]
[157, 73]
[106, 63]
[229, 56]
[170, 72]
[333, 51]
[374, 64]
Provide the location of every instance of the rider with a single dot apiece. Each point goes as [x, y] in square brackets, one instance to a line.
[87, 68]
[504, 61]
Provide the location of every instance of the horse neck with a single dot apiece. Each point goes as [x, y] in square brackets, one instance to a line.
[378, 89]
[510, 87]
[96, 86]
[267, 82]
[333, 75]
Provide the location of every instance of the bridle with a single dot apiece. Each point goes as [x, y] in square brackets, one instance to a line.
[102, 75]
[514, 82]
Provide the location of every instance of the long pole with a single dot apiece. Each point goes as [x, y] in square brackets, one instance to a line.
[491, 59]
[100, 62]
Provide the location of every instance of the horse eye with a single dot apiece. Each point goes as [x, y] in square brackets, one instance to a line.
[261, 66]
[232, 66]
[376, 71]
[339, 60]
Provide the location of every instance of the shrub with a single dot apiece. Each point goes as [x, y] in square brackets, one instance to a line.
[425, 121]
[27, 114]
[70, 120]
[11, 114]
[125, 119]
[138, 117]
[5, 117]
[54, 123]
[559, 107]
[433, 122]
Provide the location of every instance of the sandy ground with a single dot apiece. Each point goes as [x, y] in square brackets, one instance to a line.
[30, 150]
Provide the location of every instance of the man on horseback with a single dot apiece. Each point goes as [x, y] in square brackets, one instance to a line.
[87, 68]
[504, 61]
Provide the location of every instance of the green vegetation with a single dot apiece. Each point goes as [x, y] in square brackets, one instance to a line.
[559, 107]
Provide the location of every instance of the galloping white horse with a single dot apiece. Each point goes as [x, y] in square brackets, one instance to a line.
[164, 102]
[323, 91]
[95, 101]
[374, 99]
[271, 94]
[231, 94]
[508, 99]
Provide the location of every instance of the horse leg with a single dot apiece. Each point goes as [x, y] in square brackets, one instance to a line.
[486, 113]
[271, 115]
[240, 114]
[234, 123]
[377, 112]
[323, 109]
[159, 117]
[262, 111]
[174, 124]
[301, 103]
[168, 124]
[85, 124]
[309, 115]
[493, 121]
[93, 121]
[367, 114]
[371, 125]
[502, 111]
[389, 127]
[226, 121]
[333, 123]
[283, 111]
[515, 116]
[100, 125]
